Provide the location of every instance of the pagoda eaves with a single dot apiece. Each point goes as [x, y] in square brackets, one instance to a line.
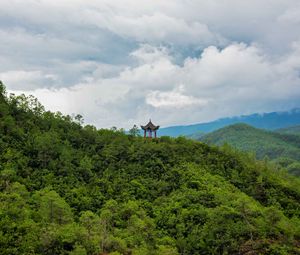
[150, 127]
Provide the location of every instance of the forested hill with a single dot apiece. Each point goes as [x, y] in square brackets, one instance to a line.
[69, 189]
[294, 130]
[281, 146]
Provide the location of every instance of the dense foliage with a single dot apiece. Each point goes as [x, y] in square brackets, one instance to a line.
[282, 146]
[69, 189]
[293, 130]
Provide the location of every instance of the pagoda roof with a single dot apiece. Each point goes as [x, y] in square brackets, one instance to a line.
[150, 126]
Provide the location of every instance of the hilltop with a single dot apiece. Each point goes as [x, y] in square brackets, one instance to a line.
[281, 146]
[66, 188]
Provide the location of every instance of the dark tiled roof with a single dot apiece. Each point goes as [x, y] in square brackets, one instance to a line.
[150, 126]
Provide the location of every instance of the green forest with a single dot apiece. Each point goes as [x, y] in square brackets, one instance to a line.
[69, 188]
[293, 130]
[281, 146]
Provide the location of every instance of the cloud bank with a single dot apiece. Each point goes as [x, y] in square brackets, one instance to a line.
[119, 63]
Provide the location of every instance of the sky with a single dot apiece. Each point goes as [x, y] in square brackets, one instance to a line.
[121, 62]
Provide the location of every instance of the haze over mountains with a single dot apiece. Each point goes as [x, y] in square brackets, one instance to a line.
[269, 121]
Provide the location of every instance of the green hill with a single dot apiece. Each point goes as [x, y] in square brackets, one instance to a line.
[71, 189]
[294, 130]
[281, 146]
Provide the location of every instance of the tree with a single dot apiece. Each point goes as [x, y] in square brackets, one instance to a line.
[134, 131]
[51, 208]
[79, 119]
[2, 90]
[92, 237]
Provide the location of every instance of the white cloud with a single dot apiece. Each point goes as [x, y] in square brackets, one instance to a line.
[156, 28]
[121, 62]
[291, 15]
[150, 54]
[27, 80]
[220, 82]
[174, 99]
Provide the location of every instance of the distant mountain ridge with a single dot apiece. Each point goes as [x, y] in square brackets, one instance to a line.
[269, 121]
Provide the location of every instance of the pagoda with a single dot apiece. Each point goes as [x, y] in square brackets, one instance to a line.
[150, 127]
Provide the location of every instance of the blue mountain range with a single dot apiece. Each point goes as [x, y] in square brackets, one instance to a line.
[268, 121]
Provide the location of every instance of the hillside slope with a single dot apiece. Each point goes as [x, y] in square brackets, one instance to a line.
[69, 189]
[280, 147]
[293, 130]
[268, 121]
